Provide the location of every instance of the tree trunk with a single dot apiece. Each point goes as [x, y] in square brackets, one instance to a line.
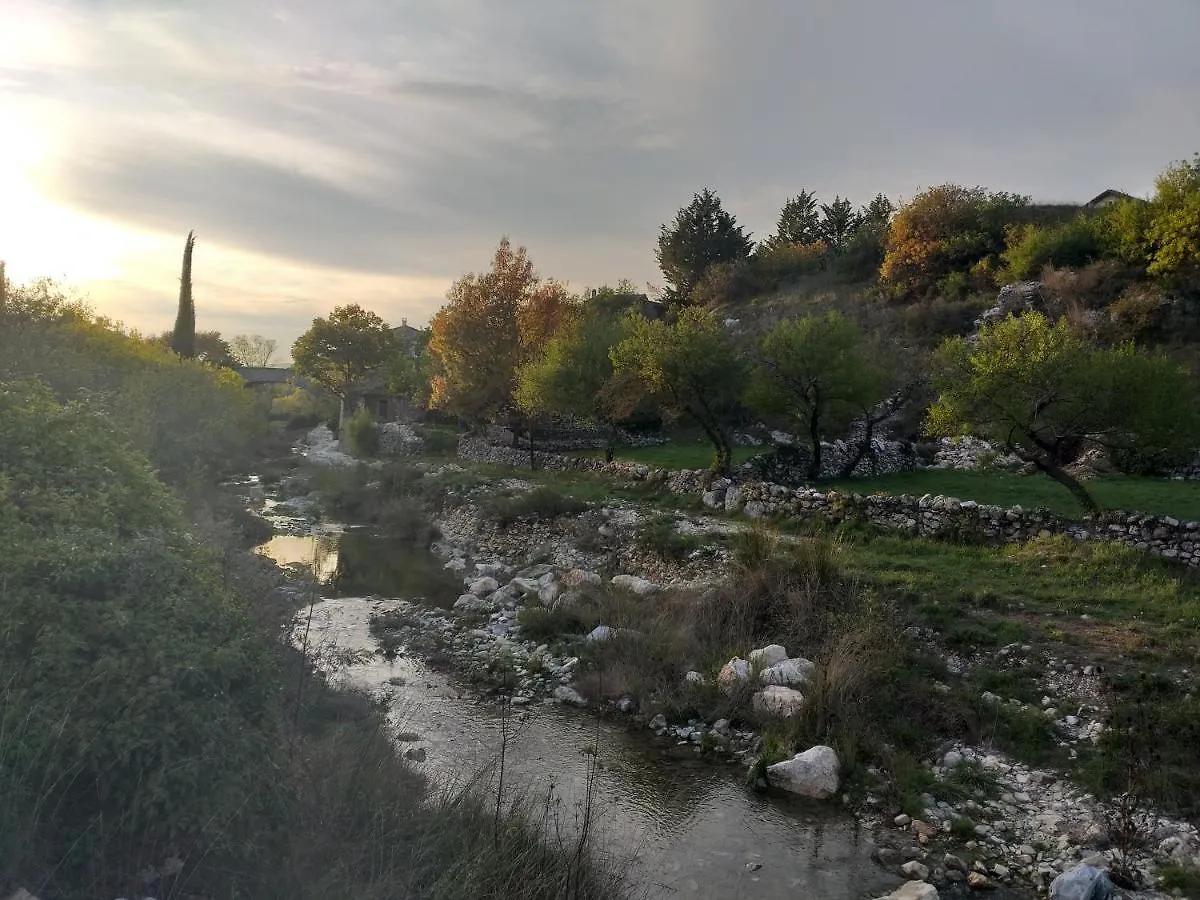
[610, 449]
[863, 447]
[724, 454]
[1059, 474]
[814, 437]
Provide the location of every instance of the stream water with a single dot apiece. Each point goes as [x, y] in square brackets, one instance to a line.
[680, 827]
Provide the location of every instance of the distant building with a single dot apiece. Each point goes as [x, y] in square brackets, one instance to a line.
[1109, 197]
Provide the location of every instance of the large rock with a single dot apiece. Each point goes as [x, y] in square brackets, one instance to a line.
[914, 890]
[1081, 883]
[733, 674]
[580, 577]
[770, 655]
[813, 773]
[481, 587]
[777, 700]
[634, 584]
[790, 672]
[564, 693]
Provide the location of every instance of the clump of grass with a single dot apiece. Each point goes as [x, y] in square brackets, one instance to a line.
[541, 503]
[660, 535]
[541, 624]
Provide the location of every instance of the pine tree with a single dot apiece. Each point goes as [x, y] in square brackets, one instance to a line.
[183, 338]
[702, 235]
[799, 222]
[838, 223]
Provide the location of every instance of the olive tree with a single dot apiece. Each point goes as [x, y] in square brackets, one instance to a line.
[817, 373]
[1046, 394]
[687, 367]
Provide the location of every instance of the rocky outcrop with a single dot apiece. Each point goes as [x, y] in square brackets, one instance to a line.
[814, 773]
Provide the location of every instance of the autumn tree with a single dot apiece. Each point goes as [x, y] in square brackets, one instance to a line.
[702, 235]
[491, 323]
[689, 367]
[944, 230]
[569, 376]
[817, 373]
[339, 349]
[1046, 394]
[183, 338]
[253, 349]
[1174, 227]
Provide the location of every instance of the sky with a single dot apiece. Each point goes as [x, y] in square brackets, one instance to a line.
[372, 151]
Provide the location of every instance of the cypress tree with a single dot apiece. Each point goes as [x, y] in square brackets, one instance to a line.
[183, 338]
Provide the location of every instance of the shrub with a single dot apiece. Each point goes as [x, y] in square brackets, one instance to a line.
[660, 535]
[1031, 248]
[781, 263]
[726, 283]
[138, 695]
[438, 441]
[540, 503]
[362, 434]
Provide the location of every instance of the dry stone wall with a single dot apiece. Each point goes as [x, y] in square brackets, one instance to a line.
[944, 518]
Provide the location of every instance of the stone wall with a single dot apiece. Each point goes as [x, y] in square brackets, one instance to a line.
[944, 518]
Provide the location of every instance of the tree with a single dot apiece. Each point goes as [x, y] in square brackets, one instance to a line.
[838, 223]
[689, 367]
[816, 372]
[253, 350]
[491, 323]
[409, 371]
[1174, 229]
[570, 374]
[183, 338]
[701, 235]
[799, 222]
[1046, 394]
[877, 212]
[945, 230]
[341, 348]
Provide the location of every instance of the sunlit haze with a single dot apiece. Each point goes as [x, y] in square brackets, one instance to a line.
[372, 151]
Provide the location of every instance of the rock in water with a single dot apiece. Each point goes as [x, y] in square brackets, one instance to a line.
[813, 773]
[778, 700]
[564, 693]
[770, 655]
[1081, 883]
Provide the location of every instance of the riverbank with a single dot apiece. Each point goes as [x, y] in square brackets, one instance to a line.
[984, 797]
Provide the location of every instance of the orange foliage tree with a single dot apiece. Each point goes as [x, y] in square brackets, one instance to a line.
[944, 230]
[492, 322]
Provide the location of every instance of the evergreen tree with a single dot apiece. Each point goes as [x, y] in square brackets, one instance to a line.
[702, 235]
[877, 212]
[838, 223]
[183, 338]
[799, 222]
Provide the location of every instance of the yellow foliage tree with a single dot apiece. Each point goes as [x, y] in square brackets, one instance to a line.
[492, 323]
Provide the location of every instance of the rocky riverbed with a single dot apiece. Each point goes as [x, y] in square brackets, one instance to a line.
[1025, 829]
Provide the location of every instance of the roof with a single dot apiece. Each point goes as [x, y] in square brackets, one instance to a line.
[1114, 195]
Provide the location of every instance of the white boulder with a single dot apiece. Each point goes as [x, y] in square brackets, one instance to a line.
[634, 584]
[790, 672]
[481, 587]
[601, 633]
[913, 890]
[733, 674]
[770, 655]
[564, 693]
[580, 577]
[471, 603]
[549, 593]
[777, 700]
[813, 773]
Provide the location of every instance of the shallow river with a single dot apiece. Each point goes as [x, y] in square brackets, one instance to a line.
[680, 827]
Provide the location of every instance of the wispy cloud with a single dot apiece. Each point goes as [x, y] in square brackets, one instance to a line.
[374, 149]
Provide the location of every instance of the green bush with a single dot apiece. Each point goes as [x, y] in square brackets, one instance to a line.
[438, 441]
[362, 434]
[540, 503]
[139, 697]
[1031, 248]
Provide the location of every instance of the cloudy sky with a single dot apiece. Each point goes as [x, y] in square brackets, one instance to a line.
[373, 150]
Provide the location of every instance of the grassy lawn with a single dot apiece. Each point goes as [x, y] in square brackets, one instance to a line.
[1149, 495]
[682, 455]
[1130, 601]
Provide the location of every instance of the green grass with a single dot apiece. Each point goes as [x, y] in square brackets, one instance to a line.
[1158, 496]
[681, 455]
[1057, 577]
